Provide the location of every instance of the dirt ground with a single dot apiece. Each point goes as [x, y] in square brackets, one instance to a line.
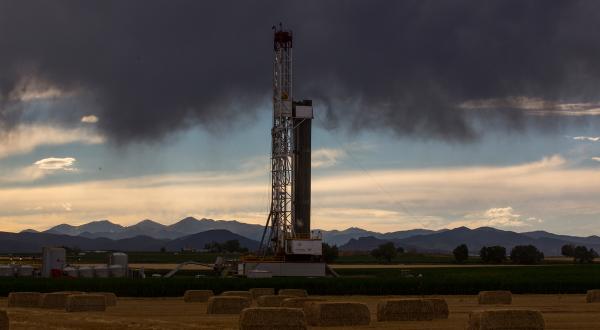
[560, 312]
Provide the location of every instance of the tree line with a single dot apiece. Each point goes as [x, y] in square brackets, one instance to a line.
[580, 254]
[231, 246]
[520, 254]
[524, 254]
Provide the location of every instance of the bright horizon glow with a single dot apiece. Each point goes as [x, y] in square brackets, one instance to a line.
[377, 201]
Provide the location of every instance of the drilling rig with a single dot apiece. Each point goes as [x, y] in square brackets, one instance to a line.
[288, 246]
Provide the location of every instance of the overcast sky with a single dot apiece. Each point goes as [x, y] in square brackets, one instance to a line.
[428, 114]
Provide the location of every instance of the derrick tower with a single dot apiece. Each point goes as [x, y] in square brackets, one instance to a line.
[287, 231]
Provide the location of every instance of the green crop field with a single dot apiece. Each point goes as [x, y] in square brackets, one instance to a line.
[530, 279]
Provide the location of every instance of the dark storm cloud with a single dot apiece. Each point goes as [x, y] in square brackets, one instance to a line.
[149, 68]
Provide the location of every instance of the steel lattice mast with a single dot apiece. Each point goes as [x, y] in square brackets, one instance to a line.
[280, 215]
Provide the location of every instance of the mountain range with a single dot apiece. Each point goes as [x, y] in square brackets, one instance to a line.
[190, 225]
[27, 242]
[341, 237]
[184, 227]
[148, 235]
[445, 241]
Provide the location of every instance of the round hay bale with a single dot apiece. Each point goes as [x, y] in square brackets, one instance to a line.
[271, 300]
[86, 303]
[593, 296]
[272, 318]
[24, 299]
[495, 298]
[440, 308]
[54, 300]
[514, 319]
[293, 292]
[299, 302]
[197, 295]
[227, 304]
[337, 314]
[405, 310]
[4, 321]
[245, 294]
[257, 292]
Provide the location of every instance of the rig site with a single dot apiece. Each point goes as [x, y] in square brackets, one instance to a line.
[360, 165]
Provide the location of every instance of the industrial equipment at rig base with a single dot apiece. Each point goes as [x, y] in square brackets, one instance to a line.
[288, 246]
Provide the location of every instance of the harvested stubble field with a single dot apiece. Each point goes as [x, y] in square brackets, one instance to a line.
[560, 312]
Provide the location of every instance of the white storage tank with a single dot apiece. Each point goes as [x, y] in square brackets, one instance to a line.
[53, 261]
[116, 271]
[25, 271]
[71, 271]
[119, 258]
[6, 271]
[86, 272]
[101, 271]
